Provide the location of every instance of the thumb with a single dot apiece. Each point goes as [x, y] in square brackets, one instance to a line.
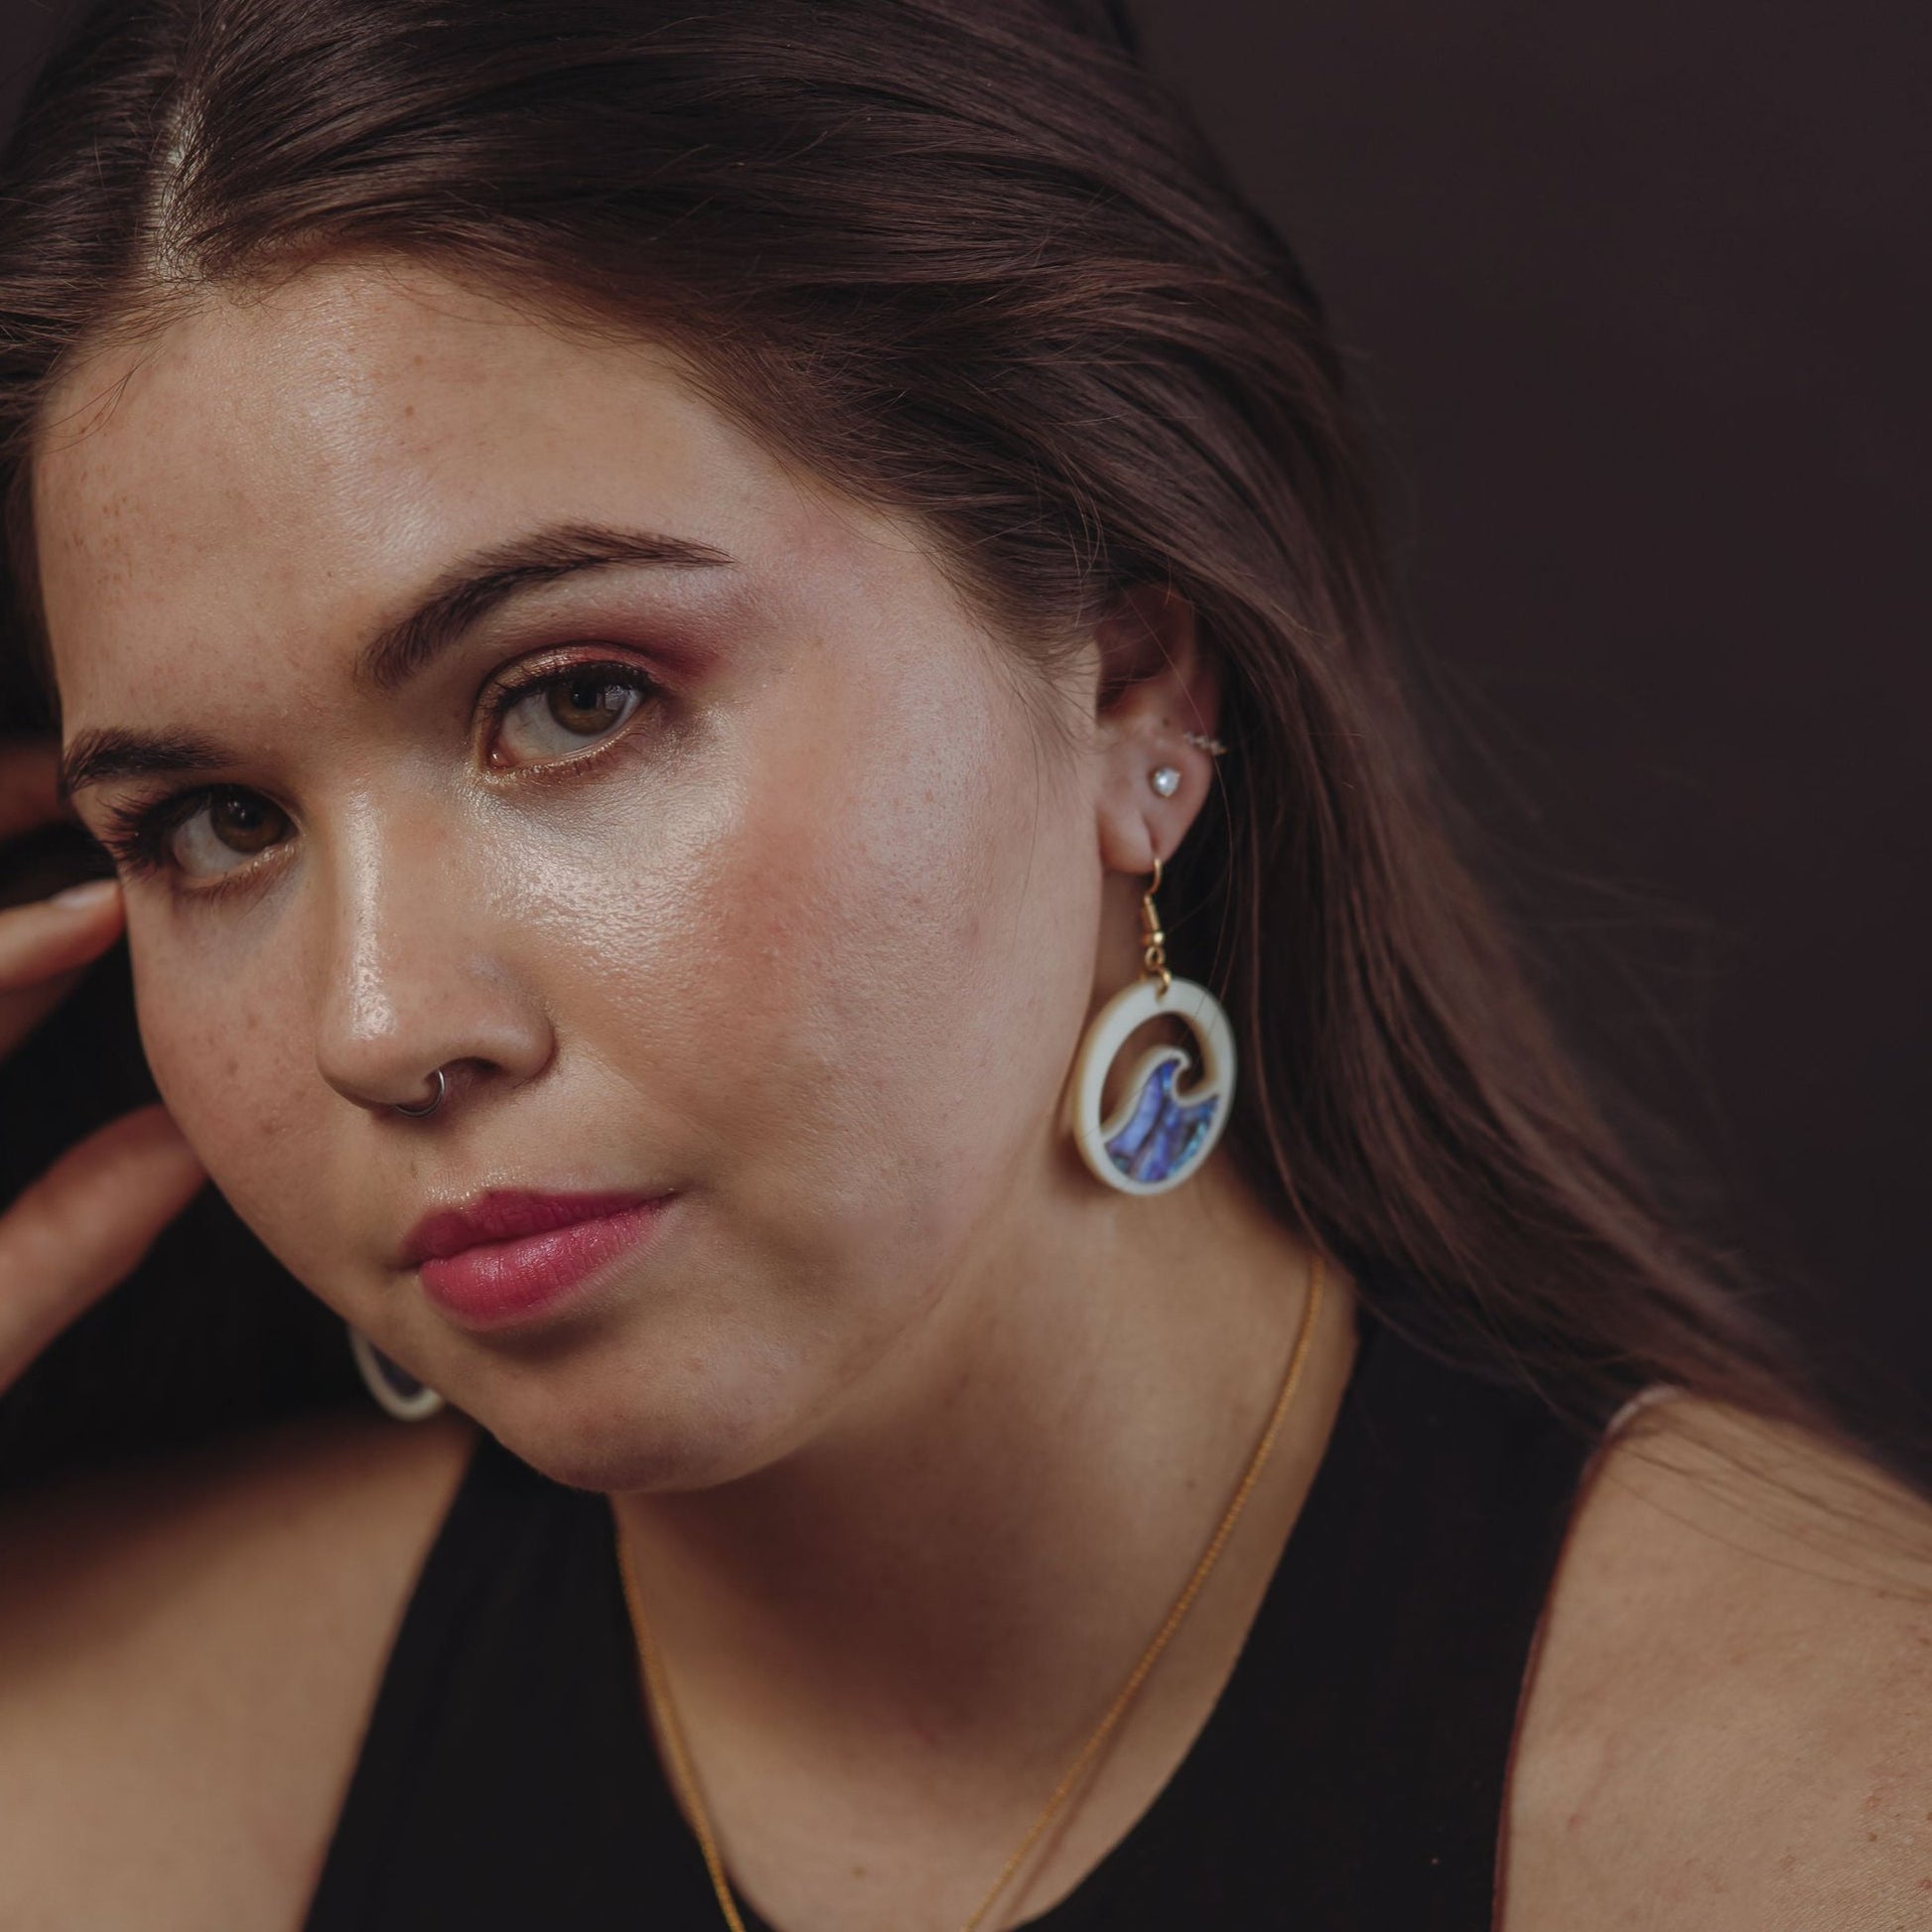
[83, 1226]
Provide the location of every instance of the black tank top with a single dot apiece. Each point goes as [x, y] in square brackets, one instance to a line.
[1351, 1774]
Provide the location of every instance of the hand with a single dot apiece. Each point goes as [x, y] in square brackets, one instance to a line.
[85, 1222]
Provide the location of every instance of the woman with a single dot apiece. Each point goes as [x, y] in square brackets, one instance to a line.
[733, 661]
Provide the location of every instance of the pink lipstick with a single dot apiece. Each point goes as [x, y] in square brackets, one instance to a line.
[510, 1255]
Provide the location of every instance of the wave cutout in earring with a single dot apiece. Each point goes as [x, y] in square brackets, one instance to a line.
[1159, 1134]
[393, 1385]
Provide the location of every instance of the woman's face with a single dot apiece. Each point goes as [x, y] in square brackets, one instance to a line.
[523, 717]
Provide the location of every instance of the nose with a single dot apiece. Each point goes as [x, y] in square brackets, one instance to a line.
[415, 982]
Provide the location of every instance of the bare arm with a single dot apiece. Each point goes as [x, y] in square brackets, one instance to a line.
[1728, 1725]
[188, 1655]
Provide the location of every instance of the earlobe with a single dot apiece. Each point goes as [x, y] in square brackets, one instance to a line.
[1159, 708]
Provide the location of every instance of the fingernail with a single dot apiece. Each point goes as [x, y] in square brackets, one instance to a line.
[92, 892]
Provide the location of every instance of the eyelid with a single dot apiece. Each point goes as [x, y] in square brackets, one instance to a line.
[557, 660]
[134, 826]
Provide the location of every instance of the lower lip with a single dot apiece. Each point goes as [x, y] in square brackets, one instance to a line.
[499, 1283]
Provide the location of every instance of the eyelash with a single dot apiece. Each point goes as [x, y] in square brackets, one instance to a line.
[135, 836]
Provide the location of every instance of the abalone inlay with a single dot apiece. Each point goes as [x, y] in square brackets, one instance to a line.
[1163, 1134]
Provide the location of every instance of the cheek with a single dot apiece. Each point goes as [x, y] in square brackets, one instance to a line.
[227, 1061]
[853, 995]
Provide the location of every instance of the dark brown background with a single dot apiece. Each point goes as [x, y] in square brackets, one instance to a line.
[1641, 296]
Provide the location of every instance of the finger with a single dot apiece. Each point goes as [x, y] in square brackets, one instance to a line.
[27, 792]
[43, 947]
[84, 1224]
[55, 935]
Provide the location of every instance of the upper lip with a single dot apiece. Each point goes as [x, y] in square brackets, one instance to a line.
[506, 1214]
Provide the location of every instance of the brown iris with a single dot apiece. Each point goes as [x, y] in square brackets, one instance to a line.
[587, 705]
[244, 823]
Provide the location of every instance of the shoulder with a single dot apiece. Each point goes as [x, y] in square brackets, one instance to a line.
[188, 1651]
[1727, 1721]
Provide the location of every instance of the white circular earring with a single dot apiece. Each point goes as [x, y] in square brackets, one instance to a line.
[1157, 1137]
[393, 1385]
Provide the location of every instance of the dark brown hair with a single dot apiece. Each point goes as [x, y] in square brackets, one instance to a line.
[966, 260]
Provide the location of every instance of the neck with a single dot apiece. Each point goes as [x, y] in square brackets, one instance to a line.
[974, 1551]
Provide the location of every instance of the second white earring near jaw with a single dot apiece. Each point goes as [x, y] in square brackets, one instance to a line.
[389, 1382]
[1166, 780]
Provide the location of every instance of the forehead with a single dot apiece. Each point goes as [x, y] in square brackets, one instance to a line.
[277, 466]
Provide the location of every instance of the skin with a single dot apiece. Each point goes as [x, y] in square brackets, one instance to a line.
[913, 1428]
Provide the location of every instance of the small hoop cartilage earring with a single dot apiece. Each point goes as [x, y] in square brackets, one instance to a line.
[1157, 1138]
[1166, 780]
[393, 1385]
[1211, 746]
[435, 1100]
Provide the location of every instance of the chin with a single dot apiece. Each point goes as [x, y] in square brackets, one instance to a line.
[607, 1430]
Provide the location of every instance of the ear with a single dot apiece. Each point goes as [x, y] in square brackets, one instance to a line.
[1156, 684]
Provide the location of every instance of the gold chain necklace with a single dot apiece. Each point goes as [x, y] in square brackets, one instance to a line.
[658, 1691]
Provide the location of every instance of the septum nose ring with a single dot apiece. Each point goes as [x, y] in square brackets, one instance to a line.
[435, 1100]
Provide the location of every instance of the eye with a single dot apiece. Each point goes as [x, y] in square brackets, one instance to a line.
[565, 712]
[225, 830]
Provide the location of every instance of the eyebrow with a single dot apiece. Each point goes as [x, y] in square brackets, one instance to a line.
[459, 600]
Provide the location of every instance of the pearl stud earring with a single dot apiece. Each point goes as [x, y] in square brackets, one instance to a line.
[1166, 780]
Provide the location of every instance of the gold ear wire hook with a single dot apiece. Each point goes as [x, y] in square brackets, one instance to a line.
[1153, 942]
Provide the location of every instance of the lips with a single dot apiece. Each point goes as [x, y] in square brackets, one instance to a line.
[512, 1254]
